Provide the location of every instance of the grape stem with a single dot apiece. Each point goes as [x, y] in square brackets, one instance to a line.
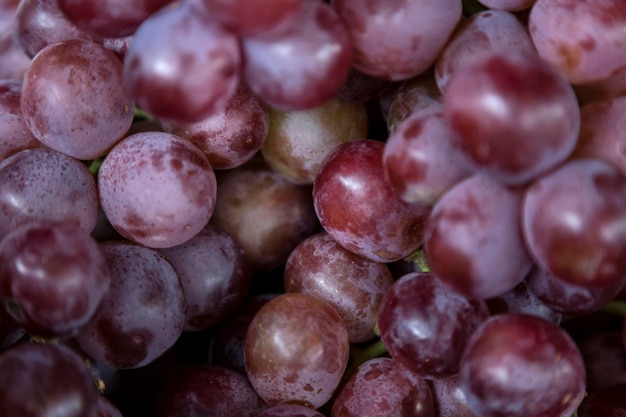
[615, 307]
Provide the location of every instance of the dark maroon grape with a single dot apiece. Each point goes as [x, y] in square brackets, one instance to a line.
[425, 326]
[45, 380]
[300, 65]
[296, 350]
[609, 402]
[354, 285]
[53, 278]
[359, 209]
[383, 387]
[233, 135]
[143, 313]
[605, 359]
[515, 116]
[397, 40]
[73, 99]
[208, 391]
[522, 365]
[109, 18]
[214, 275]
[265, 213]
[157, 189]
[26, 181]
[181, 65]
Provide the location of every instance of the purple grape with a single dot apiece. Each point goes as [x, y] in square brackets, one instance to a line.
[572, 223]
[383, 387]
[522, 365]
[14, 134]
[514, 115]
[109, 18]
[296, 350]
[298, 141]
[450, 398]
[479, 35]
[181, 65]
[473, 238]
[208, 391]
[358, 208]
[266, 214]
[53, 278]
[425, 326]
[214, 275]
[41, 184]
[143, 313]
[13, 59]
[39, 23]
[397, 40]
[582, 39]
[157, 189]
[232, 136]
[45, 380]
[73, 99]
[302, 64]
[353, 285]
[420, 159]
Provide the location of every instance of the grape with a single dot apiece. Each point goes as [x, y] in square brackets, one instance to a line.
[473, 238]
[411, 96]
[39, 23]
[26, 181]
[266, 214]
[110, 18]
[477, 36]
[143, 313]
[14, 134]
[300, 65]
[227, 343]
[514, 115]
[290, 410]
[450, 398]
[605, 359]
[609, 402]
[353, 285]
[232, 136]
[53, 278]
[397, 40]
[208, 391]
[73, 99]
[253, 17]
[522, 365]
[522, 299]
[425, 326]
[298, 141]
[13, 59]
[568, 298]
[602, 128]
[359, 209]
[157, 189]
[361, 87]
[382, 387]
[214, 275]
[296, 350]
[181, 65]
[573, 223]
[119, 46]
[582, 39]
[420, 159]
[45, 380]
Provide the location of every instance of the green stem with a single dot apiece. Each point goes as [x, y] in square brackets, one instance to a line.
[419, 258]
[143, 115]
[95, 165]
[615, 307]
[471, 7]
[360, 355]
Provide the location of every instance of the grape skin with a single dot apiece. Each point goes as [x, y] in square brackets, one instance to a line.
[157, 189]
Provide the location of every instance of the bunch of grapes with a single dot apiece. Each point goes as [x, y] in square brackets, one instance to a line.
[308, 208]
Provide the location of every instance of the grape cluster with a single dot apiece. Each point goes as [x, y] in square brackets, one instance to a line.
[308, 208]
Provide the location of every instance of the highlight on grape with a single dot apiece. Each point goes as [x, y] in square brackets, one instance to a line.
[312, 208]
